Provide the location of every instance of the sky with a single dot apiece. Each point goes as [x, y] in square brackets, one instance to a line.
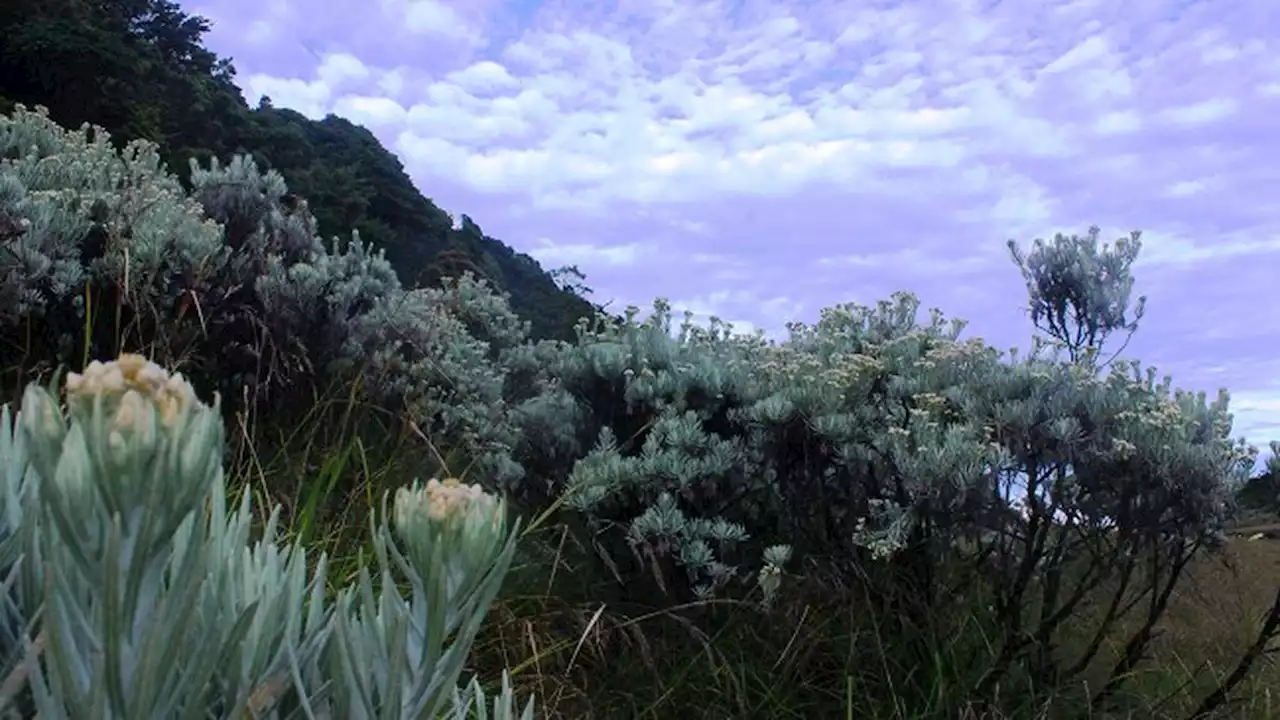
[760, 161]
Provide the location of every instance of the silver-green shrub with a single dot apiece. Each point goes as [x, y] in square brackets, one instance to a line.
[61, 188]
[137, 592]
[874, 434]
[700, 440]
[442, 354]
[634, 421]
[232, 285]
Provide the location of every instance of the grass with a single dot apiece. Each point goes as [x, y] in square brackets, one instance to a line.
[582, 652]
[1215, 614]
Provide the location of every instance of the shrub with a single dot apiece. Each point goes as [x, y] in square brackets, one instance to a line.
[889, 453]
[105, 251]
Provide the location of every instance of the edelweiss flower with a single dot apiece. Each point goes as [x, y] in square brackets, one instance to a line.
[460, 524]
[129, 380]
[437, 500]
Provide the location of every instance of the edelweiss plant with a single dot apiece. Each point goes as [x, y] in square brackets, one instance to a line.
[396, 657]
[134, 591]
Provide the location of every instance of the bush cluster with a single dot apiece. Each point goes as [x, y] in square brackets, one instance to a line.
[874, 446]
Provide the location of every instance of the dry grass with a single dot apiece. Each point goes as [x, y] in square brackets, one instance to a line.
[1215, 614]
[588, 660]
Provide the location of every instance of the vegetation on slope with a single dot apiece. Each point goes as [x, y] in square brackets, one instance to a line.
[138, 69]
[669, 472]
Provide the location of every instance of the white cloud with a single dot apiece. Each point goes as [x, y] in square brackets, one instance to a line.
[691, 226]
[1200, 113]
[368, 110]
[1256, 415]
[317, 97]
[720, 268]
[701, 129]
[1188, 188]
[1091, 49]
[311, 98]
[761, 138]
[1117, 123]
[703, 258]
[1219, 54]
[705, 307]
[909, 261]
[733, 305]
[583, 117]
[428, 17]
[391, 82]
[1091, 71]
[484, 76]
[340, 68]
[549, 253]
[1165, 247]
[782, 309]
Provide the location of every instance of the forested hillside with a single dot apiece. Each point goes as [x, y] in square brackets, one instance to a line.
[138, 69]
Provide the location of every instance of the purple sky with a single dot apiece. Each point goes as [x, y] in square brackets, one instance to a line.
[763, 160]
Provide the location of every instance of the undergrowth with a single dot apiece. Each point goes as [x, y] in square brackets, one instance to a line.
[582, 649]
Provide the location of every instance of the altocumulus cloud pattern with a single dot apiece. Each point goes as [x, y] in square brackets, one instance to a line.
[761, 160]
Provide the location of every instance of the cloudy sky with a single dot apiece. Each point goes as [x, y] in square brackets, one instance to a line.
[763, 160]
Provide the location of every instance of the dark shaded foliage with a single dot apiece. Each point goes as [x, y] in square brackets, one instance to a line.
[1261, 493]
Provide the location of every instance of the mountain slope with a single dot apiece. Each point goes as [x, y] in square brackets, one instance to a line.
[138, 69]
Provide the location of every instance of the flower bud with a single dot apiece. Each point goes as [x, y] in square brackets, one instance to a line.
[42, 423]
[448, 507]
[465, 520]
[125, 416]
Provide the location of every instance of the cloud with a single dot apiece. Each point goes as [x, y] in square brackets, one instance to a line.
[1118, 122]
[318, 96]
[311, 98]
[757, 158]
[431, 19]
[909, 260]
[728, 306]
[1208, 111]
[1260, 409]
[553, 255]
[370, 110]
[1178, 248]
[341, 69]
[485, 76]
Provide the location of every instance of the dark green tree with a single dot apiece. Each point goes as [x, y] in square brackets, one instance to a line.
[571, 279]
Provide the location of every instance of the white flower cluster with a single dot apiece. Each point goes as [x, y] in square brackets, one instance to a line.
[443, 501]
[132, 380]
